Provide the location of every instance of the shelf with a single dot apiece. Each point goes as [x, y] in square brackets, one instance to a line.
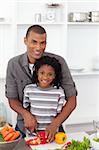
[41, 23]
[83, 23]
[81, 120]
[5, 23]
[85, 73]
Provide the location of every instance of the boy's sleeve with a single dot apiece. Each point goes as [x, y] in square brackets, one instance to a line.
[61, 102]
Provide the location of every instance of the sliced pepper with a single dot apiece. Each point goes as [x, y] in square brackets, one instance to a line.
[42, 137]
[34, 141]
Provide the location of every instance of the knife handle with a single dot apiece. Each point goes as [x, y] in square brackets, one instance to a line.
[29, 134]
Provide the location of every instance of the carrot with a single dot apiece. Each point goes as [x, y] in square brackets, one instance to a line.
[7, 132]
[7, 138]
[15, 135]
[3, 130]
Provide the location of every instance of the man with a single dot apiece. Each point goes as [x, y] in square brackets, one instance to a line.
[19, 74]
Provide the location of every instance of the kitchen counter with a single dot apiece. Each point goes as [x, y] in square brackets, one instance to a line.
[22, 146]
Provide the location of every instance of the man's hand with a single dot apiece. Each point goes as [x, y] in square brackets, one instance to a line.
[29, 121]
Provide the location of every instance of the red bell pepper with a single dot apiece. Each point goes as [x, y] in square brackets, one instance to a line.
[34, 141]
[40, 139]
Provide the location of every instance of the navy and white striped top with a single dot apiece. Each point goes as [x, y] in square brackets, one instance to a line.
[45, 104]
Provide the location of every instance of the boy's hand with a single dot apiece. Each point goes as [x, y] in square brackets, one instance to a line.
[50, 132]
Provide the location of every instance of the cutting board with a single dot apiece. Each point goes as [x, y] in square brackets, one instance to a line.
[50, 146]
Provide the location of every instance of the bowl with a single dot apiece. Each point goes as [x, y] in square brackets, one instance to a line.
[10, 145]
[94, 144]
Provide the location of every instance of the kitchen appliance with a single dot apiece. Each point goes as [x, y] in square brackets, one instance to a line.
[50, 15]
[78, 17]
[37, 17]
[94, 16]
[53, 12]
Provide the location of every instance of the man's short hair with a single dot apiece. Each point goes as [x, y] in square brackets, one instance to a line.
[35, 28]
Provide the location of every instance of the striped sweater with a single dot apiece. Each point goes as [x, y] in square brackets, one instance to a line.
[45, 104]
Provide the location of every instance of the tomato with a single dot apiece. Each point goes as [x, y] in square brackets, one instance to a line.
[69, 143]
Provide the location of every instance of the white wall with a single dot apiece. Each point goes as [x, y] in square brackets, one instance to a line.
[9, 114]
[87, 100]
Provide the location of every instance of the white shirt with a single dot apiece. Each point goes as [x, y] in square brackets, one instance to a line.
[31, 67]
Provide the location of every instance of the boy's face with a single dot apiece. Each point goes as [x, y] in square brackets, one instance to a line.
[36, 44]
[46, 75]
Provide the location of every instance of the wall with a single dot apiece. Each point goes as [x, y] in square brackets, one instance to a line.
[9, 114]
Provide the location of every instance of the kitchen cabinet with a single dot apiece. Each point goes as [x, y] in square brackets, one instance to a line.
[77, 42]
[82, 50]
[82, 45]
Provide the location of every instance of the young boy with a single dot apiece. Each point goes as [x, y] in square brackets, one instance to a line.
[45, 97]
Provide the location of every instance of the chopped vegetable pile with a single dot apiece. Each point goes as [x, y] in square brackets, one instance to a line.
[77, 145]
[96, 139]
[85, 144]
[8, 134]
[40, 139]
[1, 138]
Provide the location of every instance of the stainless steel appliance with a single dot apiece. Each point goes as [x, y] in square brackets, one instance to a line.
[78, 16]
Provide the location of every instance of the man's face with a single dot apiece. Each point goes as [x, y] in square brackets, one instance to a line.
[36, 44]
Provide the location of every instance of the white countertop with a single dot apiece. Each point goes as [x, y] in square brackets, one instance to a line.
[77, 136]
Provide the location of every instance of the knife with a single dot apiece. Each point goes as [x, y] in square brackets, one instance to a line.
[34, 133]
